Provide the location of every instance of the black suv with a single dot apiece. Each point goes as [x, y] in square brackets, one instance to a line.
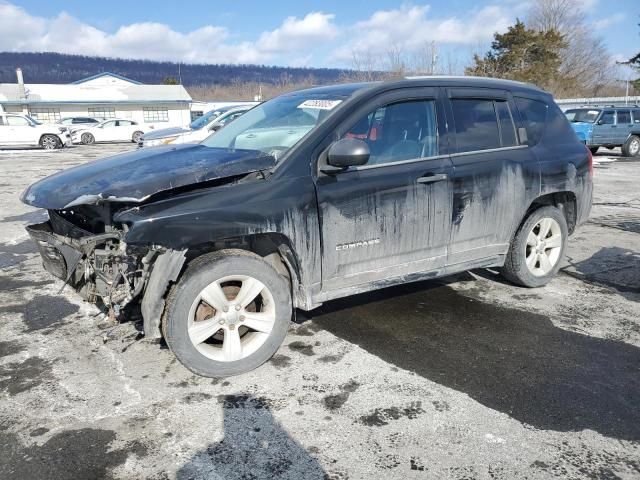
[315, 195]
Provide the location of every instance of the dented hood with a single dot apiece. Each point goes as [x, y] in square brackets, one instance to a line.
[135, 176]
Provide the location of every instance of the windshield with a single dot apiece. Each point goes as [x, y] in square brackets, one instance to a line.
[275, 126]
[33, 120]
[200, 122]
[582, 115]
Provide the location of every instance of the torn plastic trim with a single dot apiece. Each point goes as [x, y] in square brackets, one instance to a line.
[166, 269]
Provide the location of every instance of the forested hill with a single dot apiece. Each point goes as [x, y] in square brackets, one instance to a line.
[60, 68]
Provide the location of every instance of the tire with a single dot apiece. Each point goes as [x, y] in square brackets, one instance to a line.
[525, 265]
[215, 351]
[135, 138]
[87, 138]
[593, 150]
[50, 142]
[631, 147]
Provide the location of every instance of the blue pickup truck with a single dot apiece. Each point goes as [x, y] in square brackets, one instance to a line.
[608, 127]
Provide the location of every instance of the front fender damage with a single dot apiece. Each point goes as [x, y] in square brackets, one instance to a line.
[166, 270]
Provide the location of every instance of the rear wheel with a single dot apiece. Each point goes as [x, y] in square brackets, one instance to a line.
[593, 150]
[87, 138]
[136, 137]
[228, 314]
[50, 142]
[537, 249]
[631, 147]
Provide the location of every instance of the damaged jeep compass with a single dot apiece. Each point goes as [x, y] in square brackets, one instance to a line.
[315, 195]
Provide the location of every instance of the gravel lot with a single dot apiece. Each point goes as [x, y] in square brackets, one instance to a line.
[464, 378]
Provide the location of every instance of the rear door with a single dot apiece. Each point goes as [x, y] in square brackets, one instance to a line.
[624, 125]
[390, 217]
[494, 174]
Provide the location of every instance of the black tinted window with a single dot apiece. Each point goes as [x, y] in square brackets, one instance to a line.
[476, 124]
[636, 116]
[624, 116]
[507, 129]
[534, 115]
[400, 131]
[607, 118]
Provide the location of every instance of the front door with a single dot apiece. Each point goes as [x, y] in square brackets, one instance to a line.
[390, 217]
[21, 131]
[605, 128]
[106, 132]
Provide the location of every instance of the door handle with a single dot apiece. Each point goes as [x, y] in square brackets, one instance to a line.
[438, 177]
[250, 135]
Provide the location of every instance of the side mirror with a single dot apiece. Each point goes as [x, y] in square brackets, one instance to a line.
[599, 122]
[348, 152]
[215, 127]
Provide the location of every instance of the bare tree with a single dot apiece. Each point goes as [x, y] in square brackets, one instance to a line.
[364, 64]
[586, 66]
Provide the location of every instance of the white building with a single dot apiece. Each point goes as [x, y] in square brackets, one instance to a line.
[105, 95]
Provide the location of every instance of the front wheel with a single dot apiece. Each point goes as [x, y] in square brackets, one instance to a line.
[228, 314]
[631, 147]
[50, 142]
[537, 249]
[87, 138]
[136, 137]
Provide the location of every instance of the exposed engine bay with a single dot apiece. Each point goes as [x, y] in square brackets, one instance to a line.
[82, 247]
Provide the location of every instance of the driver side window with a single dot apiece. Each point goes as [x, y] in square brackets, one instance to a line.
[608, 117]
[398, 131]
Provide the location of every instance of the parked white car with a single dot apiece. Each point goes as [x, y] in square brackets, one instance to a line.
[112, 130]
[198, 130]
[22, 130]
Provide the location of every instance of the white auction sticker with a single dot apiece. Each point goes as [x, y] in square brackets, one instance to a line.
[320, 104]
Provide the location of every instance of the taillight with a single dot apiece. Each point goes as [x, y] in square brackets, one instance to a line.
[590, 157]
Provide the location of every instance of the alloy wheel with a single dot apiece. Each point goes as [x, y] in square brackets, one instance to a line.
[544, 244]
[231, 318]
[49, 142]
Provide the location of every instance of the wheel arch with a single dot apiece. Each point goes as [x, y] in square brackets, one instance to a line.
[565, 201]
[274, 248]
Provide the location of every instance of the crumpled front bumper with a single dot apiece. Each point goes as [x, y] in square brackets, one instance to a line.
[59, 255]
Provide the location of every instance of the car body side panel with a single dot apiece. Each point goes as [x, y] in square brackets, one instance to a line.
[564, 163]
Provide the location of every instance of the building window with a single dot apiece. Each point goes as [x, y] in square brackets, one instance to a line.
[102, 112]
[196, 114]
[46, 115]
[155, 114]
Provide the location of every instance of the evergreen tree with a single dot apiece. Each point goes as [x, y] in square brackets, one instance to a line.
[522, 54]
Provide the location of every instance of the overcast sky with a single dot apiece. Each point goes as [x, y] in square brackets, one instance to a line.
[287, 32]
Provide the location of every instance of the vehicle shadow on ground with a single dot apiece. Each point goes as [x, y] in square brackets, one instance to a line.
[510, 360]
[254, 446]
[615, 267]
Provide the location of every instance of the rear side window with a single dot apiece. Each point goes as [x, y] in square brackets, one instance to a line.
[624, 116]
[476, 124]
[534, 116]
[636, 116]
[482, 124]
